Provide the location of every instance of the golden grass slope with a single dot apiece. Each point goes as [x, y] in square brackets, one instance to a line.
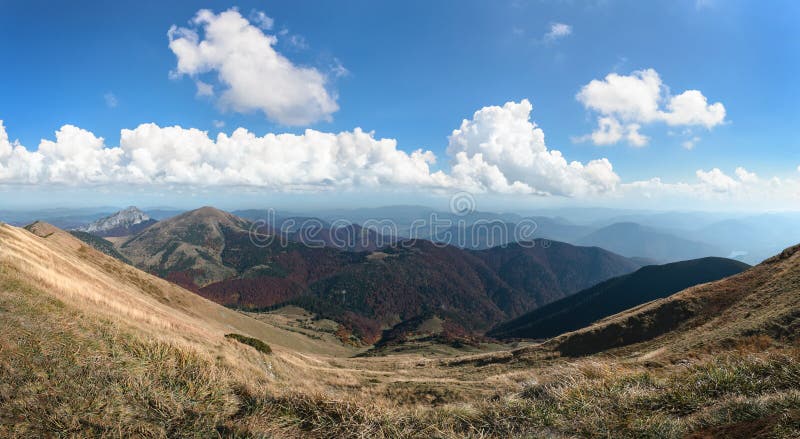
[762, 301]
[95, 283]
[91, 347]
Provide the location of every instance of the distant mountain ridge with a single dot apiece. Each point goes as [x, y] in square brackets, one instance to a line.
[635, 240]
[615, 295]
[217, 255]
[128, 221]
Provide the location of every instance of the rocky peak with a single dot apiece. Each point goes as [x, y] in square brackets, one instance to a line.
[123, 219]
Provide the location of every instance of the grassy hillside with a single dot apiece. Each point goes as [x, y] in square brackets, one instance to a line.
[615, 295]
[92, 348]
[762, 301]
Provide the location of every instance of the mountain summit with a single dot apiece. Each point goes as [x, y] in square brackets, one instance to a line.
[129, 221]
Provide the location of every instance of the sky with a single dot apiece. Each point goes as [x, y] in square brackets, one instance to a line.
[671, 104]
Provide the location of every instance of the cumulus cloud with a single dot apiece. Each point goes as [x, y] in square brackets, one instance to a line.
[498, 150]
[75, 156]
[501, 150]
[609, 131]
[16, 163]
[745, 176]
[692, 108]
[625, 102]
[557, 30]
[253, 75]
[150, 154]
[635, 138]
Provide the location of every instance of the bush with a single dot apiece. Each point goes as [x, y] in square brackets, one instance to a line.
[250, 341]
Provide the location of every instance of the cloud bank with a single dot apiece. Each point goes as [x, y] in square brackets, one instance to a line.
[624, 103]
[253, 75]
[715, 185]
[498, 150]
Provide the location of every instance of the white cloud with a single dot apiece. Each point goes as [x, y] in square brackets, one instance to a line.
[716, 180]
[111, 100]
[692, 108]
[633, 97]
[625, 102]
[634, 137]
[76, 156]
[252, 74]
[501, 150]
[557, 30]
[498, 150]
[609, 131]
[150, 154]
[16, 163]
[218, 123]
[745, 176]
[312, 161]
[746, 189]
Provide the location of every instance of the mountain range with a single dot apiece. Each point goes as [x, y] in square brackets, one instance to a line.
[381, 281]
[654, 237]
[632, 239]
[230, 260]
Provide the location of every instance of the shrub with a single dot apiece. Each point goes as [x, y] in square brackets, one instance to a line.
[250, 341]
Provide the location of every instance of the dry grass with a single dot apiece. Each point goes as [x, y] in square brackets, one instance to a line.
[92, 347]
[762, 301]
[65, 373]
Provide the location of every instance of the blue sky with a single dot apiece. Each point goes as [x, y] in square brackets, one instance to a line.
[416, 69]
